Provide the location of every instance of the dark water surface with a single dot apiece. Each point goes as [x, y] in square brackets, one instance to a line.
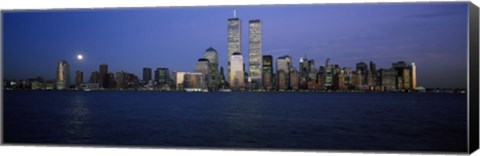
[338, 121]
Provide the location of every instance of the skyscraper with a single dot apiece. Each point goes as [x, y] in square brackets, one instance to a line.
[214, 77]
[414, 76]
[103, 76]
[203, 66]
[78, 78]
[284, 64]
[255, 52]
[147, 74]
[234, 39]
[162, 76]
[94, 77]
[63, 75]
[267, 73]
[236, 72]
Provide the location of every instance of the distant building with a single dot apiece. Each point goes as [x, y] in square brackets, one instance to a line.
[282, 80]
[214, 77]
[363, 69]
[103, 76]
[194, 80]
[78, 79]
[111, 82]
[294, 79]
[284, 63]
[234, 41]
[414, 76]
[203, 66]
[147, 74]
[255, 52]
[389, 79]
[63, 75]
[94, 77]
[179, 80]
[237, 72]
[162, 76]
[328, 75]
[267, 72]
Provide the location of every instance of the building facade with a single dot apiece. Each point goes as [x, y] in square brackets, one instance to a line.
[255, 52]
[103, 76]
[147, 75]
[63, 75]
[237, 72]
[234, 39]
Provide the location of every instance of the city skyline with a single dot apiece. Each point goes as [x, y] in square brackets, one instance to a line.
[449, 56]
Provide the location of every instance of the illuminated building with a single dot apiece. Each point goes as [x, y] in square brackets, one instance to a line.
[255, 52]
[267, 71]
[214, 76]
[78, 79]
[237, 72]
[63, 75]
[234, 39]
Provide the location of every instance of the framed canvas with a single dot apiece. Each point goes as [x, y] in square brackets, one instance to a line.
[359, 77]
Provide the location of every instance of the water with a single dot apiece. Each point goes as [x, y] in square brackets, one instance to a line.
[304, 121]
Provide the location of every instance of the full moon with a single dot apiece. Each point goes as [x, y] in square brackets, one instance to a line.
[79, 57]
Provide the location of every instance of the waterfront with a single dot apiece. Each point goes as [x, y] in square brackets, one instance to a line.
[318, 121]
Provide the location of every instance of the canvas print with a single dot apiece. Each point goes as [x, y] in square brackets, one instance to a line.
[356, 77]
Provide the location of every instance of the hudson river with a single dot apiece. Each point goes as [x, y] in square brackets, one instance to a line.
[303, 121]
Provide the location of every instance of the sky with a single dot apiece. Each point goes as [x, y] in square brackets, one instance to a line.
[433, 35]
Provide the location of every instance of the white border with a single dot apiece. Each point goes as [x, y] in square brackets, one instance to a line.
[82, 151]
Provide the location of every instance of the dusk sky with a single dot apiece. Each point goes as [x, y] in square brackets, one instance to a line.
[433, 35]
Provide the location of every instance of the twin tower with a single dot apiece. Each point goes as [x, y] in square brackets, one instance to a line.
[236, 73]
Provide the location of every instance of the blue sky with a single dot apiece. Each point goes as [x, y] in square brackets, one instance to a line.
[433, 35]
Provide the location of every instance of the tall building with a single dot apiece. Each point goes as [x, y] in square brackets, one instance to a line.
[162, 76]
[267, 73]
[94, 77]
[414, 76]
[78, 78]
[328, 75]
[147, 74]
[388, 79]
[362, 67]
[179, 80]
[284, 63]
[203, 66]
[294, 79]
[103, 76]
[111, 82]
[214, 77]
[234, 39]
[255, 52]
[63, 75]
[236, 72]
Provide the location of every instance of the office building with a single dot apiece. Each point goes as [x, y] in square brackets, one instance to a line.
[234, 39]
[214, 77]
[94, 77]
[78, 79]
[63, 75]
[267, 73]
[147, 74]
[237, 72]
[162, 76]
[255, 52]
[103, 76]
[194, 81]
[414, 76]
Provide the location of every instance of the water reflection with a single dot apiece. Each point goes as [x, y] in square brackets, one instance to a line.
[77, 120]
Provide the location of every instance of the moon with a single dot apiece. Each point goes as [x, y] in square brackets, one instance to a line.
[80, 57]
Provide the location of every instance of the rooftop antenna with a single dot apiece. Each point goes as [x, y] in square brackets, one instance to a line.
[234, 13]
